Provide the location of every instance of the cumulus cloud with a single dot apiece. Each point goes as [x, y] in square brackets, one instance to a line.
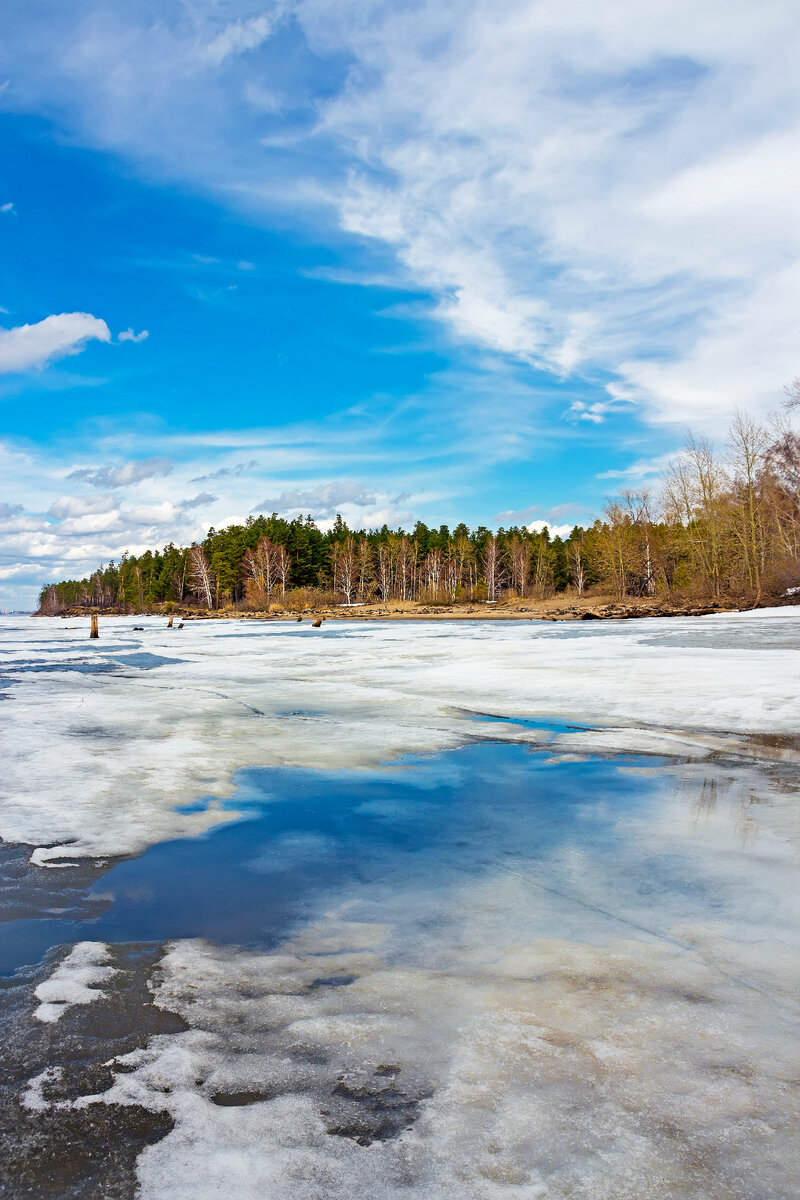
[100, 522]
[79, 506]
[30, 347]
[128, 335]
[19, 524]
[10, 510]
[8, 207]
[124, 474]
[561, 531]
[151, 514]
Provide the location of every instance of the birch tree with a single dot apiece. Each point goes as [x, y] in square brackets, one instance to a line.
[519, 563]
[577, 567]
[365, 567]
[492, 569]
[343, 562]
[200, 575]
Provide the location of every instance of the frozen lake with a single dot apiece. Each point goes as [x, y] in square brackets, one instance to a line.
[401, 910]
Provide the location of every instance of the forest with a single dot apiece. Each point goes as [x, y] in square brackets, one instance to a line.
[720, 526]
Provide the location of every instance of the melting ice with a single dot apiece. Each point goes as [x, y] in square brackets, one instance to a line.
[585, 987]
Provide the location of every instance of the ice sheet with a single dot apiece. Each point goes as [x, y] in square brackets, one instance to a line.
[589, 993]
[105, 742]
[535, 1068]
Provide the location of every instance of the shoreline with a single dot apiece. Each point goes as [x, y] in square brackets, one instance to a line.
[601, 609]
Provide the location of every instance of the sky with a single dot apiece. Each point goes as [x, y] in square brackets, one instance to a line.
[484, 260]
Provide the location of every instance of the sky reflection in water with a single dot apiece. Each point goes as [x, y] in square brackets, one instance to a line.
[306, 838]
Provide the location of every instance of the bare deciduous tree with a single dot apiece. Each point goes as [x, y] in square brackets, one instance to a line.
[365, 566]
[519, 563]
[343, 564]
[749, 444]
[433, 568]
[577, 567]
[201, 578]
[492, 568]
[406, 568]
[637, 507]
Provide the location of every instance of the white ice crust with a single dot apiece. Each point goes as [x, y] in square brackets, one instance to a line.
[75, 980]
[629, 1067]
[102, 746]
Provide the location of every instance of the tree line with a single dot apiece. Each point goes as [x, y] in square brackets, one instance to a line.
[721, 525]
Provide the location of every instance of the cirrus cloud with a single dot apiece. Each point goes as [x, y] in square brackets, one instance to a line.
[600, 191]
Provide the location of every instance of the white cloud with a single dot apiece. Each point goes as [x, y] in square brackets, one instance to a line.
[528, 518]
[227, 472]
[128, 335]
[79, 506]
[8, 207]
[741, 359]
[642, 471]
[201, 500]
[324, 499]
[596, 411]
[606, 187]
[124, 474]
[18, 524]
[19, 571]
[361, 507]
[28, 347]
[102, 522]
[236, 38]
[562, 531]
[152, 514]
[590, 188]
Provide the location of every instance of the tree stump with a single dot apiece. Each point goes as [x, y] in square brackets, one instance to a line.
[316, 624]
[94, 632]
[169, 622]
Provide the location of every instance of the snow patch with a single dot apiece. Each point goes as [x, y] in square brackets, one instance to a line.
[76, 980]
[32, 1098]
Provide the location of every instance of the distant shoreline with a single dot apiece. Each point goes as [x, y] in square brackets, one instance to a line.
[554, 609]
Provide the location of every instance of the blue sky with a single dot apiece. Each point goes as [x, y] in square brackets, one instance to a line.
[399, 260]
